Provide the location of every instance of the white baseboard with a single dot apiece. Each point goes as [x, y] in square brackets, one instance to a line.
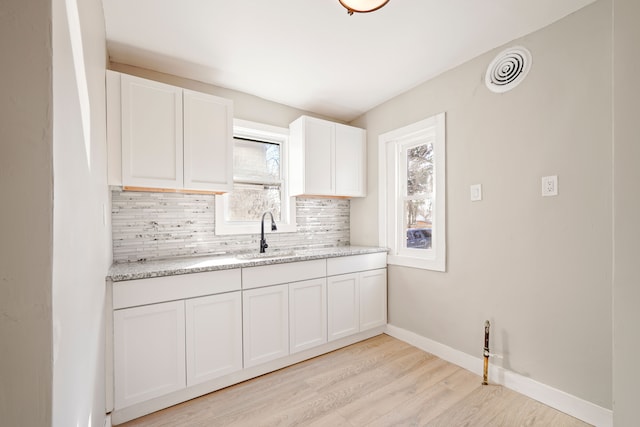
[560, 400]
[107, 420]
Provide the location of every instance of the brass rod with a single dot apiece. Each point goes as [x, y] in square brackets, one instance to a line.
[486, 353]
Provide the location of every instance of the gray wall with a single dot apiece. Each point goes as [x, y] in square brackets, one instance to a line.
[26, 188]
[538, 268]
[626, 207]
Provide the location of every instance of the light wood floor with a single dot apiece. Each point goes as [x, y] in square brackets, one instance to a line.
[378, 382]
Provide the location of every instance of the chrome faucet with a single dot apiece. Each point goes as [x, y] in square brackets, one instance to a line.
[263, 242]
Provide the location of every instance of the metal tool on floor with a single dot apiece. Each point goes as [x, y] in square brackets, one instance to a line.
[486, 354]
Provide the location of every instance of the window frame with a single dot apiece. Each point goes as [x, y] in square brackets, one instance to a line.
[271, 134]
[390, 193]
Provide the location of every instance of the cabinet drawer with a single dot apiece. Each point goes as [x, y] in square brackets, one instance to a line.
[355, 263]
[158, 289]
[267, 275]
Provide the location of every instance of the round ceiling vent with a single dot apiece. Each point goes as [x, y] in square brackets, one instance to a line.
[508, 69]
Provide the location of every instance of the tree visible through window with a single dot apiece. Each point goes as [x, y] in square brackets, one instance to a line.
[418, 198]
[257, 181]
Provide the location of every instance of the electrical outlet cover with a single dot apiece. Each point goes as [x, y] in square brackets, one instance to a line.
[476, 192]
[550, 185]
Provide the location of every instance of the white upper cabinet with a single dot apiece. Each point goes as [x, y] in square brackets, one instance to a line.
[327, 158]
[350, 161]
[165, 137]
[208, 142]
[312, 157]
[151, 133]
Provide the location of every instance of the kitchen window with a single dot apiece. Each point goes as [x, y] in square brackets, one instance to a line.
[412, 194]
[259, 181]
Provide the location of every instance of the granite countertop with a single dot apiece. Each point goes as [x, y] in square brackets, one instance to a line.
[184, 265]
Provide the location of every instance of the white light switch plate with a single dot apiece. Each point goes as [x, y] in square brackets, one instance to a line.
[550, 185]
[476, 192]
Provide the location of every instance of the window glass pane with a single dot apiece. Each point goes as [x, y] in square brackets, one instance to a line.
[418, 217]
[248, 202]
[420, 170]
[253, 160]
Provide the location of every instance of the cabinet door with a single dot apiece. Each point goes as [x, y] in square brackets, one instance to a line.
[373, 299]
[307, 314]
[319, 144]
[350, 161]
[214, 336]
[343, 305]
[149, 352]
[265, 315]
[208, 142]
[327, 158]
[151, 133]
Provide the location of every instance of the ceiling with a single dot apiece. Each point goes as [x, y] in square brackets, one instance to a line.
[310, 54]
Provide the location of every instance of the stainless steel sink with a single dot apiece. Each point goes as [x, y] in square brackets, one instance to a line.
[266, 255]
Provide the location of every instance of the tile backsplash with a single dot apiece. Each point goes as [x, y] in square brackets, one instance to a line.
[161, 225]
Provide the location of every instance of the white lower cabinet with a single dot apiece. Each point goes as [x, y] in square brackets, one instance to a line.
[356, 294]
[213, 336]
[343, 305]
[149, 352]
[373, 298]
[265, 316]
[307, 314]
[176, 337]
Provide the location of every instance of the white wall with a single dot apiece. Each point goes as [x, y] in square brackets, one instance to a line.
[626, 285]
[538, 268]
[81, 240]
[26, 190]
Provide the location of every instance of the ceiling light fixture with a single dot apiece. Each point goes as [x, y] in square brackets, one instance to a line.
[362, 6]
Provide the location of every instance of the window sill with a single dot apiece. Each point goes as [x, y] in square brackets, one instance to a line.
[421, 263]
